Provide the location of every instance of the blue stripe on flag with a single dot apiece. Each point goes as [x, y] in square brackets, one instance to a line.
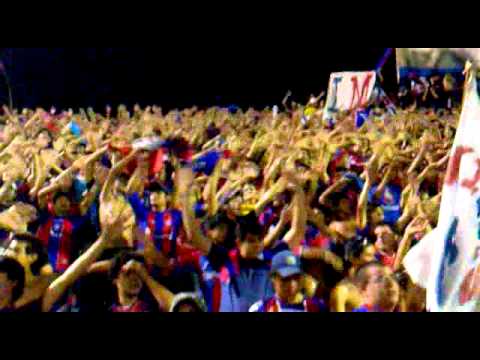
[449, 257]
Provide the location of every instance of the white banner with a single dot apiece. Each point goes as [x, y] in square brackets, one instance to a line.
[446, 260]
[348, 91]
[426, 61]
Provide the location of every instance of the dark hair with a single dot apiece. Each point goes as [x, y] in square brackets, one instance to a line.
[14, 272]
[156, 187]
[216, 221]
[59, 195]
[403, 279]
[361, 276]
[34, 246]
[121, 259]
[248, 224]
[354, 248]
[124, 178]
[44, 130]
[193, 302]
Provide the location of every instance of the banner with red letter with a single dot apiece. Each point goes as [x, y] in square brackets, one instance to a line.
[349, 91]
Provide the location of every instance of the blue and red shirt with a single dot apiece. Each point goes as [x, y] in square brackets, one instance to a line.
[163, 227]
[242, 281]
[230, 283]
[58, 236]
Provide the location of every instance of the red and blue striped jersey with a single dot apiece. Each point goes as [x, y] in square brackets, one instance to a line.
[162, 228]
[56, 236]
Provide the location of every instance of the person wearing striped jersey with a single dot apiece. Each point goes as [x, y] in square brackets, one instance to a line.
[236, 279]
[160, 223]
[58, 232]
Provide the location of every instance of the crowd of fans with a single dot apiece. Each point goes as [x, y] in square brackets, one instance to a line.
[219, 210]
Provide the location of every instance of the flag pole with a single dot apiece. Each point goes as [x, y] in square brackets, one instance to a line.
[10, 96]
[3, 70]
[383, 60]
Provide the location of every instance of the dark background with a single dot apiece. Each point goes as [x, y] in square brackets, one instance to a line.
[82, 77]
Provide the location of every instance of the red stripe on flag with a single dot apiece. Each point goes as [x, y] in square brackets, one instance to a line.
[156, 162]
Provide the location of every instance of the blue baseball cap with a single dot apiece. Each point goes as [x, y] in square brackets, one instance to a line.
[286, 264]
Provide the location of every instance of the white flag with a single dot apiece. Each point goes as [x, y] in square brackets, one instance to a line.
[445, 260]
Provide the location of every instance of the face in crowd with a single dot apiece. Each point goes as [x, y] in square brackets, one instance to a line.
[385, 239]
[29, 252]
[378, 286]
[287, 277]
[12, 282]
[44, 139]
[126, 281]
[62, 205]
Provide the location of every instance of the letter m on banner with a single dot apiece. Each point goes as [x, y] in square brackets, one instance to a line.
[349, 90]
[360, 98]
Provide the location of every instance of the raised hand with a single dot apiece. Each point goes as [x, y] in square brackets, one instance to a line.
[417, 225]
[112, 228]
[136, 267]
[184, 180]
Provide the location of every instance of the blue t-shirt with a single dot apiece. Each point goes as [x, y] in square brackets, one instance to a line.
[242, 282]
[389, 201]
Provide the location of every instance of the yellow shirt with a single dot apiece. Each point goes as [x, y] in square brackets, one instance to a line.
[310, 110]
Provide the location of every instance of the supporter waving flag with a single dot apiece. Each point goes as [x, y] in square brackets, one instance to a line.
[446, 261]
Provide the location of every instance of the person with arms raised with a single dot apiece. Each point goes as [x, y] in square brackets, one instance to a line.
[243, 274]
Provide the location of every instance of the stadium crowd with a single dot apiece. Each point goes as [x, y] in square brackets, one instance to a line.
[221, 210]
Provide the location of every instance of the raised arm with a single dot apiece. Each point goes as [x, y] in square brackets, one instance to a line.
[385, 180]
[162, 295]
[31, 121]
[36, 291]
[361, 216]
[417, 159]
[417, 225]
[318, 253]
[299, 219]
[275, 233]
[211, 189]
[184, 179]
[117, 168]
[270, 194]
[136, 182]
[88, 198]
[40, 174]
[78, 164]
[335, 187]
[80, 266]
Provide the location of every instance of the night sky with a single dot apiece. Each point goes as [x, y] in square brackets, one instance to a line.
[82, 77]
